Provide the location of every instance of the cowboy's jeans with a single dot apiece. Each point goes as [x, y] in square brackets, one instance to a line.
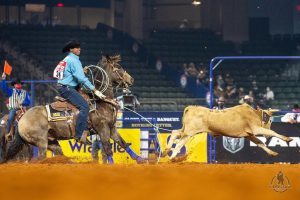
[77, 100]
[11, 117]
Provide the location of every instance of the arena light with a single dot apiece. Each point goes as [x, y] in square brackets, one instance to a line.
[196, 3]
[60, 5]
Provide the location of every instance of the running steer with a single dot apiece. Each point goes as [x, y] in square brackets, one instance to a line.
[238, 121]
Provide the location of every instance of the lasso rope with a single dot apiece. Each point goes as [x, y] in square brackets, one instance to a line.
[104, 77]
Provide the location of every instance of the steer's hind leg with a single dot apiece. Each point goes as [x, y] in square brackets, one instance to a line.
[174, 135]
[261, 145]
[179, 145]
[268, 132]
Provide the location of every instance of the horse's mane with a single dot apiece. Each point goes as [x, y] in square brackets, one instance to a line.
[115, 59]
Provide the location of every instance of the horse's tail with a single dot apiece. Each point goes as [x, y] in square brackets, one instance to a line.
[14, 147]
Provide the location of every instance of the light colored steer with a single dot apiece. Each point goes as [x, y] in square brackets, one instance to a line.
[238, 121]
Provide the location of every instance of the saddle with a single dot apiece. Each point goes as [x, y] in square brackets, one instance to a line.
[60, 110]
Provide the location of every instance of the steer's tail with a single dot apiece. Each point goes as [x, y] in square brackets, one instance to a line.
[183, 116]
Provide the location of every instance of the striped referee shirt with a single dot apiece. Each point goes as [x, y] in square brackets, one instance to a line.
[15, 96]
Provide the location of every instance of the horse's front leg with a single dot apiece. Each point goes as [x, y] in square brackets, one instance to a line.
[104, 134]
[121, 142]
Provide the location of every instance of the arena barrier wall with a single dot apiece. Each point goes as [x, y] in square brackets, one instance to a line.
[240, 150]
[133, 129]
[82, 153]
[143, 139]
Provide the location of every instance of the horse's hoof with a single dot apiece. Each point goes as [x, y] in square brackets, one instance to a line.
[9, 137]
[165, 152]
[179, 158]
[140, 160]
[273, 154]
[288, 139]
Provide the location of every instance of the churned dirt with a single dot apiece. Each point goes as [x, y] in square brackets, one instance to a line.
[59, 179]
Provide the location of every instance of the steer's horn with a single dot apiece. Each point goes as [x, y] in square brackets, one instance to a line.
[273, 110]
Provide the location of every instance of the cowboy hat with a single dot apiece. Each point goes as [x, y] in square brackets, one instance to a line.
[247, 97]
[16, 81]
[70, 45]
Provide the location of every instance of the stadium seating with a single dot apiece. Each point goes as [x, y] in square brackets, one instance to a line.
[174, 47]
[44, 44]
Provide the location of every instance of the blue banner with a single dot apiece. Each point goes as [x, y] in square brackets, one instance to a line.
[165, 120]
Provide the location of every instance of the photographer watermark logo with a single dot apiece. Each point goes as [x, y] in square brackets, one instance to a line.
[280, 182]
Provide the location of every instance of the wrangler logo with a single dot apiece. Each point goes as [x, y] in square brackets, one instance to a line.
[56, 114]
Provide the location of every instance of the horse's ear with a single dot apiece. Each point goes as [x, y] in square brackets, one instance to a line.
[107, 58]
[116, 58]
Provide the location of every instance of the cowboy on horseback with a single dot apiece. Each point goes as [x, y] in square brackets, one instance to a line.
[70, 75]
[18, 98]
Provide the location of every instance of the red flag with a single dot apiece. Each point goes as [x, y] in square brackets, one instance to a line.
[7, 68]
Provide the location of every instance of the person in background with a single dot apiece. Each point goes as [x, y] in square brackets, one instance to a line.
[184, 24]
[269, 96]
[17, 98]
[292, 117]
[192, 70]
[250, 101]
[296, 108]
[220, 103]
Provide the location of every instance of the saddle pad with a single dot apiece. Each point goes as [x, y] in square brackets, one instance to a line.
[55, 115]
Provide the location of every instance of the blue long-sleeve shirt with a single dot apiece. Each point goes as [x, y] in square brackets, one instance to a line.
[10, 93]
[71, 72]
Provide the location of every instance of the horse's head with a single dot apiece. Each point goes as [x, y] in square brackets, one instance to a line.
[117, 75]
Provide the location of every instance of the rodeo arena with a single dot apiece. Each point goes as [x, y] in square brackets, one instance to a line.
[149, 99]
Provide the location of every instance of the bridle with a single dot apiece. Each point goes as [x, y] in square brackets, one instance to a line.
[117, 70]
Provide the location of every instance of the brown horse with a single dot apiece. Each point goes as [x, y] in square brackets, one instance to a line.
[34, 127]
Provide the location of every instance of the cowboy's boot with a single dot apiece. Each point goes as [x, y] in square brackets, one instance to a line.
[9, 135]
[84, 139]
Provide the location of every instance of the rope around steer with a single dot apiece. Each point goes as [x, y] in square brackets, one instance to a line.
[156, 128]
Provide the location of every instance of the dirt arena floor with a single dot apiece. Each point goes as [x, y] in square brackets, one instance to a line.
[54, 180]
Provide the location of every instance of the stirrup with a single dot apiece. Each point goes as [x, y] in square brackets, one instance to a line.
[9, 137]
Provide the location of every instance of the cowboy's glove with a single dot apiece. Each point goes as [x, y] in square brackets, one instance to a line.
[99, 94]
[85, 69]
[3, 76]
